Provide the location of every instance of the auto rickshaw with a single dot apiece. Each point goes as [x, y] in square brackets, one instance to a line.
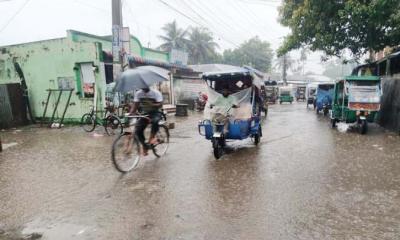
[271, 91]
[243, 122]
[264, 104]
[356, 101]
[323, 99]
[310, 93]
[285, 95]
[301, 93]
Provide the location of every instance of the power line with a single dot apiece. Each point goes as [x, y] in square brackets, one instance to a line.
[227, 26]
[200, 24]
[193, 20]
[13, 16]
[92, 6]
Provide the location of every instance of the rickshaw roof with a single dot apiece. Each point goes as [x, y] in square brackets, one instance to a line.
[322, 84]
[222, 74]
[233, 72]
[362, 78]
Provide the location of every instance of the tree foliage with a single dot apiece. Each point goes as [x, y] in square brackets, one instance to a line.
[174, 37]
[201, 46]
[333, 26]
[199, 43]
[253, 52]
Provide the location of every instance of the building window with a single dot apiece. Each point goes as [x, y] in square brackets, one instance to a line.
[87, 79]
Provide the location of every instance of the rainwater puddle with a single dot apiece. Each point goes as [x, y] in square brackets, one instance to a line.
[59, 231]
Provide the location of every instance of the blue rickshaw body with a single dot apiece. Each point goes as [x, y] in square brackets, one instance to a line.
[324, 96]
[238, 129]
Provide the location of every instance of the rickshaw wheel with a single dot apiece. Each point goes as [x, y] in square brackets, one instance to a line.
[256, 138]
[363, 127]
[218, 151]
[333, 123]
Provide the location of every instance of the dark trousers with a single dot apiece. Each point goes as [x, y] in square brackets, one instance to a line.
[142, 124]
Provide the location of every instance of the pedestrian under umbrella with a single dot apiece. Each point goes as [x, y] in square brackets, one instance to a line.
[140, 78]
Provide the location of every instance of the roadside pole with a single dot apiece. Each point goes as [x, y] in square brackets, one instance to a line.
[284, 73]
[116, 23]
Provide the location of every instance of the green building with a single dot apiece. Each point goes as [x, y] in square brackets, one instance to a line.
[79, 61]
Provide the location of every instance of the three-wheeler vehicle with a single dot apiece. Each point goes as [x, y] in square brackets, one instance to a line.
[271, 91]
[310, 94]
[356, 101]
[241, 120]
[285, 95]
[323, 99]
[301, 93]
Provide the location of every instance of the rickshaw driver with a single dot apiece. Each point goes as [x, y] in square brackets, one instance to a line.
[224, 104]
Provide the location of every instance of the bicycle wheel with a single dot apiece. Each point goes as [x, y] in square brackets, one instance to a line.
[125, 152]
[162, 136]
[88, 122]
[112, 125]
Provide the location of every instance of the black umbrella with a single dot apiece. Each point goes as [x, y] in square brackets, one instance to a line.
[140, 77]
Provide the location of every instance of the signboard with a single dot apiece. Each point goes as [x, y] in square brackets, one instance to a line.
[125, 41]
[116, 42]
[178, 57]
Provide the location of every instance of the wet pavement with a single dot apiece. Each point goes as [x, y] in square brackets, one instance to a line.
[304, 181]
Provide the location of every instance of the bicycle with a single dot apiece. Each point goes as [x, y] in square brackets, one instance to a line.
[125, 151]
[111, 123]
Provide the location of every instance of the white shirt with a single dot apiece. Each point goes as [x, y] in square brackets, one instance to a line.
[152, 94]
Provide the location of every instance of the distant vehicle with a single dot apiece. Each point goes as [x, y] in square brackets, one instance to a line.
[301, 93]
[285, 95]
[356, 100]
[310, 94]
[323, 99]
[264, 105]
[271, 91]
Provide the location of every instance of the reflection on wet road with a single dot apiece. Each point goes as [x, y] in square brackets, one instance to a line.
[304, 181]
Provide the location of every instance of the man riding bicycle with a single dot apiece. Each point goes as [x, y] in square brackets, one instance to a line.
[149, 101]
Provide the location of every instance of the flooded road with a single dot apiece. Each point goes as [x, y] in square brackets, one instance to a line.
[304, 181]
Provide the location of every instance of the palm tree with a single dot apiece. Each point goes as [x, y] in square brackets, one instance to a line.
[303, 58]
[202, 47]
[174, 37]
[285, 63]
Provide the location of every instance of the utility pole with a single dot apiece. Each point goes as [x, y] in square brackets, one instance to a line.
[284, 73]
[116, 7]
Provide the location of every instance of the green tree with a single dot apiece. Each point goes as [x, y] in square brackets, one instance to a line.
[254, 52]
[333, 26]
[174, 37]
[201, 46]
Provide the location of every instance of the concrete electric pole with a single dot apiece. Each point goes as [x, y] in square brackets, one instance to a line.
[116, 8]
[284, 73]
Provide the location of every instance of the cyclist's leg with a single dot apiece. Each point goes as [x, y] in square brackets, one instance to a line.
[155, 119]
[139, 131]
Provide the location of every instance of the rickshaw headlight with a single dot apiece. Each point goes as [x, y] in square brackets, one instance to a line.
[253, 123]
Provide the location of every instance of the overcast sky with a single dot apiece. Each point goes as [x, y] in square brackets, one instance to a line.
[231, 21]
